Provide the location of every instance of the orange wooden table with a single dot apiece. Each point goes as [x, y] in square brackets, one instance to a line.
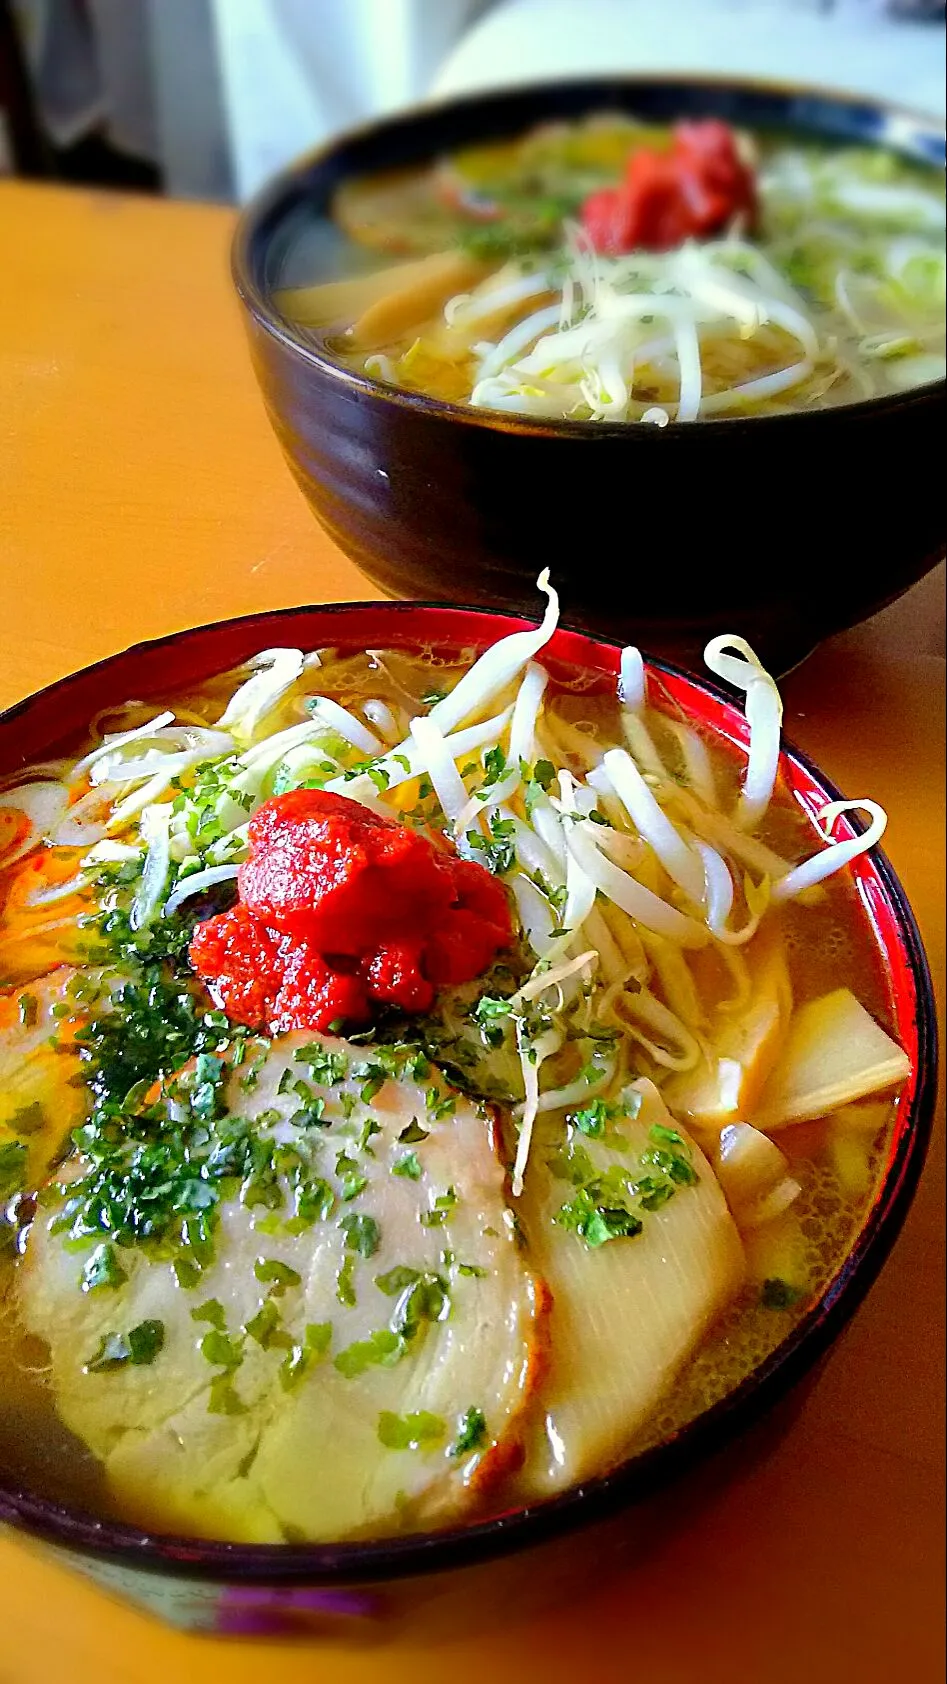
[141, 490]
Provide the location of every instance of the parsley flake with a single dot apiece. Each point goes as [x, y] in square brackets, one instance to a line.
[137, 1348]
[419, 1431]
[471, 1433]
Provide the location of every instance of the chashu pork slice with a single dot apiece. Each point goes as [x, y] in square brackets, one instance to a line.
[627, 1313]
[360, 1367]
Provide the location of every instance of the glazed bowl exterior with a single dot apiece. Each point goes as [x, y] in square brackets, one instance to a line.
[785, 528]
[279, 1588]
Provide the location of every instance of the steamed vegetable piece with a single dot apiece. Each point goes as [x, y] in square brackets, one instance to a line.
[751, 1168]
[26, 814]
[387, 303]
[629, 1310]
[389, 1284]
[834, 1053]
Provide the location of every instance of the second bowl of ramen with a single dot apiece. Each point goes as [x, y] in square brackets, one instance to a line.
[448, 1082]
[595, 321]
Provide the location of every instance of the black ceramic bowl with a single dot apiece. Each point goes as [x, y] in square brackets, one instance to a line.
[785, 528]
[243, 1588]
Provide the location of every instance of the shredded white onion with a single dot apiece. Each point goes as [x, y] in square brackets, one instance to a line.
[84, 822]
[109, 852]
[196, 884]
[176, 749]
[109, 744]
[156, 833]
[275, 673]
[60, 891]
[41, 805]
[146, 795]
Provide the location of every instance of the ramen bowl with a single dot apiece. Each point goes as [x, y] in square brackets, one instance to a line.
[231, 1587]
[786, 527]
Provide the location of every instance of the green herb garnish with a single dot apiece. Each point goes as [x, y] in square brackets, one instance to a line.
[137, 1348]
[778, 1294]
[441, 1211]
[13, 1158]
[102, 1269]
[471, 1433]
[382, 1349]
[271, 1270]
[410, 1432]
[597, 1223]
[315, 1343]
[362, 1234]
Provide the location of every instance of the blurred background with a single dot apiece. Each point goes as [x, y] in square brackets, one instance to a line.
[203, 99]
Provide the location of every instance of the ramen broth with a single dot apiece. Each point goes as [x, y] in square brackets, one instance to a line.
[784, 1263]
[504, 276]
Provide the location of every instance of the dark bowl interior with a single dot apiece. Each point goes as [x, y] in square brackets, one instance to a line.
[53, 719]
[785, 528]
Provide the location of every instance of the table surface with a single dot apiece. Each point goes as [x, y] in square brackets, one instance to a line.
[140, 491]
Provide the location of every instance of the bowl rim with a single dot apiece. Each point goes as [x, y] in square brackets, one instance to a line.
[121, 1544]
[289, 182]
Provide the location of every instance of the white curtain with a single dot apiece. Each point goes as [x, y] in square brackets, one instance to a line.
[256, 81]
[294, 71]
[219, 93]
[91, 66]
[854, 44]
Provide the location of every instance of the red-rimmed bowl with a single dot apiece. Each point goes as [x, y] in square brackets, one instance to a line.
[261, 1588]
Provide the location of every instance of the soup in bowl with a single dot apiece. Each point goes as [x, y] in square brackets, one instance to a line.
[607, 270]
[577, 323]
[450, 1071]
